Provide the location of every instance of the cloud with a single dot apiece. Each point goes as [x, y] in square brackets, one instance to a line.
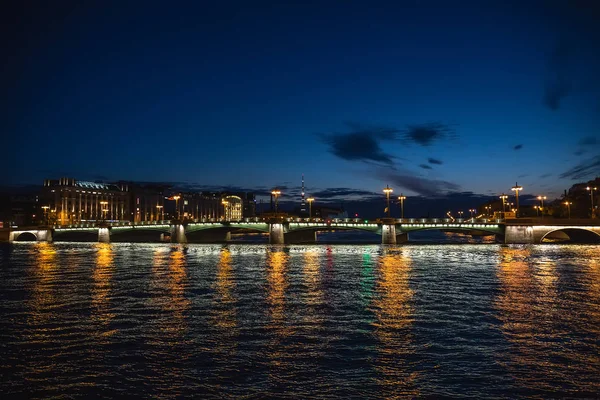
[361, 143]
[426, 134]
[518, 147]
[588, 141]
[579, 152]
[434, 161]
[425, 166]
[419, 185]
[589, 167]
[558, 84]
[545, 176]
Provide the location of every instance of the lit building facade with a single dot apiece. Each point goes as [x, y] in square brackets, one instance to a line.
[70, 201]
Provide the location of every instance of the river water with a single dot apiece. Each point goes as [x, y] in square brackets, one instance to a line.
[315, 321]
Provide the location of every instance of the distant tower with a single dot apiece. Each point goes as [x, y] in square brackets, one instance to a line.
[303, 202]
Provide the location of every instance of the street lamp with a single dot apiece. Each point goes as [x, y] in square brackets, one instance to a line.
[46, 213]
[472, 211]
[541, 199]
[487, 212]
[568, 204]
[276, 193]
[537, 210]
[387, 190]
[503, 197]
[310, 201]
[460, 214]
[402, 198]
[160, 211]
[517, 189]
[176, 198]
[225, 204]
[591, 190]
[104, 210]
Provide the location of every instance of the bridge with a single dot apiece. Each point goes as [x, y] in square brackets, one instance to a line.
[303, 230]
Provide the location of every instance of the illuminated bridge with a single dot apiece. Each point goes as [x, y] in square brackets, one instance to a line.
[297, 230]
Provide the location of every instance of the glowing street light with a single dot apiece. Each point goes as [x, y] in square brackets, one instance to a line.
[387, 190]
[503, 197]
[310, 201]
[568, 204]
[276, 193]
[176, 198]
[517, 189]
[160, 210]
[592, 190]
[487, 212]
[402, 198]
[104, 209]
[460, 214]
[472, 211]
[537, 210]
[225, 204]
[541, 199]
[46, 213]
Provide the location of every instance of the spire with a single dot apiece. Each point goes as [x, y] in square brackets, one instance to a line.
[303, 201]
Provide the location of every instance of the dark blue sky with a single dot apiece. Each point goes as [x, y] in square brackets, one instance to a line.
[429, 97]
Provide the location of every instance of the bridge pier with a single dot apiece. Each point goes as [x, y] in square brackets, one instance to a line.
[178, 233]
[104, 235]
[388, 233]
[302, 236]
[276, 234]
[402, 237]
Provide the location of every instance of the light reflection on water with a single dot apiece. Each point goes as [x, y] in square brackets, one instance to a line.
[318, 321]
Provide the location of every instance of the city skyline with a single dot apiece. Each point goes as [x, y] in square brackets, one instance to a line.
[435, 100]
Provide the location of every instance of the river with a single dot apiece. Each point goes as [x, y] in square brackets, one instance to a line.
[314, 321]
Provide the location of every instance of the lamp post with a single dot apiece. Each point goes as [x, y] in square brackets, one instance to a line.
[472, 211]
[160, 211]
[537, 210]
[503, 197]
[310, 201]
[46, 214]
[591, 190]
[568, 204]
[402, 198]
[276, 193]
[541, 199]
[176, 198]
[517, 189]
[387, 190]
[104, 210]
[225, 204]
[460, 214]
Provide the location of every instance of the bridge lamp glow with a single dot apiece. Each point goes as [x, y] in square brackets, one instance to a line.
[401, 199]
[568, 204]
[276, 193]
[517, 189]
[503, 197]
[388, 190]
[541, 199]
[310, 201]
[592, 190]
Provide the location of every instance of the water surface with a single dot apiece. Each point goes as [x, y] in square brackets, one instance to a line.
[319, 321]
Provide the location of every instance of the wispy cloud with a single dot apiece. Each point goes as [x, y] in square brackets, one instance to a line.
[426, 134]
[588, 141]
[425, 166]
[418, 184]
[518, 147]
[361, 143]
[434, 161]
[585, 169]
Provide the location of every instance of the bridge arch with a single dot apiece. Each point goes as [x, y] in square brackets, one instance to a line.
[26, 237]
[575, 235]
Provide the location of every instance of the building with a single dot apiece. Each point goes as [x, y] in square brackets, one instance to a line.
[68, 201]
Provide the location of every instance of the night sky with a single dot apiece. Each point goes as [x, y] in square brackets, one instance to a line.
[437, 99]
